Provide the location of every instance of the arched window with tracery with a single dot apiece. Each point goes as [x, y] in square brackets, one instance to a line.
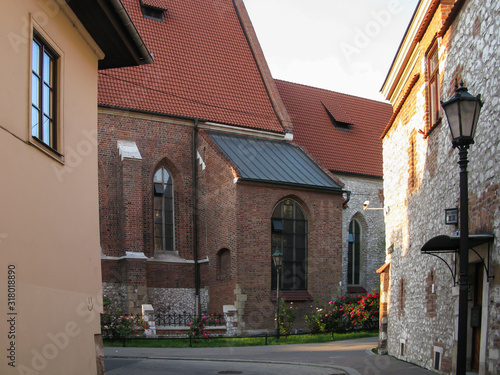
[163, 202]
[289, 235]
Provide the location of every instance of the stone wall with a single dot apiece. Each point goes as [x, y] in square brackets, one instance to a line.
[372, 223]
[177, 300]
[468, 51]
[117, 294]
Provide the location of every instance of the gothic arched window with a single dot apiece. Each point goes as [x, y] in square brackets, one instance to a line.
[163, 202]
[289, 235]
[354, 253]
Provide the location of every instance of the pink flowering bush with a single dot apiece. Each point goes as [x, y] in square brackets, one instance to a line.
[117, 325]
[287, 318]
[346, 313]
[198, 326]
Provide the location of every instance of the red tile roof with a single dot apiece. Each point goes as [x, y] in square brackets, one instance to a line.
[157, 4]
[204, 68]
[357, 149]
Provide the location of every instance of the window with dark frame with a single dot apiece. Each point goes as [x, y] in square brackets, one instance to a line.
[43, 94]
[163, 202]
[354, 253]
[433, 76]
[437, 360]
[152, 13]
[289, 235]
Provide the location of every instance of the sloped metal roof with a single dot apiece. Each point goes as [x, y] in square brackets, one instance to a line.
[269, 161]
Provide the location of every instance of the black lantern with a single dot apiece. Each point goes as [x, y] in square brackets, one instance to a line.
[277, 259]
[462, 112]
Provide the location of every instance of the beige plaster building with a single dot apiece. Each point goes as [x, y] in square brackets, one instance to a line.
[49, 221]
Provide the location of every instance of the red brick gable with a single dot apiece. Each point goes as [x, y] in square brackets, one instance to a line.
[356, 149]
[204, 68]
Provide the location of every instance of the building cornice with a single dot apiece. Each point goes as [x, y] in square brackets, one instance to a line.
[186, 121]
[407, 49]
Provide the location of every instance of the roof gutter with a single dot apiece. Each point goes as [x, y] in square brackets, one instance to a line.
[147, 57]
[335, 190]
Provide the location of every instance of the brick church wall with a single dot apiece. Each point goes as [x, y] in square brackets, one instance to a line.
[217, 224]
[234, 226]
[241, 223]
[126, 214]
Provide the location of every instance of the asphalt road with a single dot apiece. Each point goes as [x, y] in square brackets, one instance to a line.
[353, 357]
[193, 367]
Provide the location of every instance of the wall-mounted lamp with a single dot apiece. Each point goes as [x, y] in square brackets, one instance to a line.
[366, 208]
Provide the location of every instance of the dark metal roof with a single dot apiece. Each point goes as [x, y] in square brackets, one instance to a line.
[276, 162]
[451, 244]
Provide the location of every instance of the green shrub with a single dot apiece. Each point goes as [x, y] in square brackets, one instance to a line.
[119, 326]
[287, 318]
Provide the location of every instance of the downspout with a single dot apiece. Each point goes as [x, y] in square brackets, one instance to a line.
[347, 198]
[195, 220]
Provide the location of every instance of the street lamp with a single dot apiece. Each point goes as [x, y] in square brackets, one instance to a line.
[462, 112]
[278, 263]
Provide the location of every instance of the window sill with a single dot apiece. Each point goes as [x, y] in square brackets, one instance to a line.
[434, 126]
[45, 148]
[356, 289]
[292, 295]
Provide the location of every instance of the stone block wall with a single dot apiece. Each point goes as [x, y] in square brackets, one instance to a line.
[373, 229]
[469, 51]
[177, 300]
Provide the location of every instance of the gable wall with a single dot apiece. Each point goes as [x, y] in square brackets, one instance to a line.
[323, 212]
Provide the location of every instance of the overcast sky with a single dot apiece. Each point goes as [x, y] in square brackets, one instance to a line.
[340, 45]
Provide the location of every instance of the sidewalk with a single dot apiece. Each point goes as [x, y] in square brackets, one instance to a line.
[353, 357]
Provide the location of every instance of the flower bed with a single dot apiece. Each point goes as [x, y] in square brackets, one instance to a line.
[346, 313]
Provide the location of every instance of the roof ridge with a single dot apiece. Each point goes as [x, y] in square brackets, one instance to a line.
[331, 91]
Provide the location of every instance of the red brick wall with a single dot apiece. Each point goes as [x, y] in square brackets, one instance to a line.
[160, 143]
[237, 217]
[170, 275]
[217, 223]
[324, 215]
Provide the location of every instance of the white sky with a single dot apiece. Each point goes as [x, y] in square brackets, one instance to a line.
[340, 45]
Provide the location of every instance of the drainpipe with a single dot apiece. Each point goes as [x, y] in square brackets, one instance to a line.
[347, 199]
[195, 220]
